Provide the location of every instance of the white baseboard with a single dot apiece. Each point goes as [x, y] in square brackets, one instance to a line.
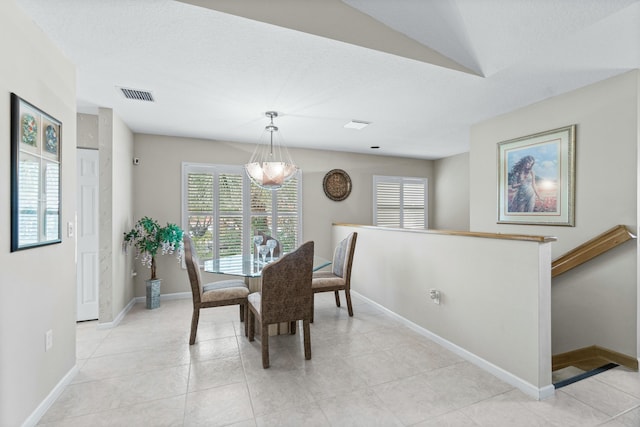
[44, 406]
[508, 377]
[119, 317]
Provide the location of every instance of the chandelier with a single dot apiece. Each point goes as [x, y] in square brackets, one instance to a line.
[270, 165]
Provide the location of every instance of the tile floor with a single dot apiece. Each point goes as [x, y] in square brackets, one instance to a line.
[369, 370]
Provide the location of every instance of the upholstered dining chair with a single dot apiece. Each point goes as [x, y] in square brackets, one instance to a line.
[339, 278]
[285, 297]
[216, 294]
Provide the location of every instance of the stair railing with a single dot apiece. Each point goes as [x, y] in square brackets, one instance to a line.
[591, 249]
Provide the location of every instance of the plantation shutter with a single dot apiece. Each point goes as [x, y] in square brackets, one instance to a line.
[261, 210]
[200, 212]
[51, 200]
[288, 208]
[222, 210]
[400, 202]
[28, 202]
[230, 216]
[388, 204]
[413, 206]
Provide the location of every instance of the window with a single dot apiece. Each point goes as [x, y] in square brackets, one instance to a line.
[222, 208]
[400, 202]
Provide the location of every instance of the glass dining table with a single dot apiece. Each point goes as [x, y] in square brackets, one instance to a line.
[249, 267]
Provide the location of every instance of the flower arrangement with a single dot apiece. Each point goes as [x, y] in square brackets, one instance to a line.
[149, 237]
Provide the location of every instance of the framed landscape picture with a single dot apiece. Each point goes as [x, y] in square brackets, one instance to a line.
[35, 176]
[536, 178]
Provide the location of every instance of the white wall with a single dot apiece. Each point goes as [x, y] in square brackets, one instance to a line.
[596, 303]
[37, 286]
[157, 190]
[495, 302]
[451, 193]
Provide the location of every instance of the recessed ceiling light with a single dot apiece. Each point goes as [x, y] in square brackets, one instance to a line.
[357, 124]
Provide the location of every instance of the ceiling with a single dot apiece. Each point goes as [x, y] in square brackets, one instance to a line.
[422, 72]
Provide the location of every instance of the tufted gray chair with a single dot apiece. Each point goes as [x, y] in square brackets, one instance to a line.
[339, 278]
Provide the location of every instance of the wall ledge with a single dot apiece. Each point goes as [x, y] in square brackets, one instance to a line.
[502, 236]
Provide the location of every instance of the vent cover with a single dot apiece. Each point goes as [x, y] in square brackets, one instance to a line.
[136, 94]
[357, 124]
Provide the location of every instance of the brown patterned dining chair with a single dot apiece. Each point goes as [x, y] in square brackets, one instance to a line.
[286, 296]
[216, 294]
[339, 278]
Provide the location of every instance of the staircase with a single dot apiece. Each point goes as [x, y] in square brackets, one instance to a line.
[582, 363]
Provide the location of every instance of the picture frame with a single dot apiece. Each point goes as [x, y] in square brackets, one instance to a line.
[536, 178]
[36, 165]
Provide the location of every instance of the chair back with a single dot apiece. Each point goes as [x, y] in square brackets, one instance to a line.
[286, 287]
[193, 269]
[343, 257]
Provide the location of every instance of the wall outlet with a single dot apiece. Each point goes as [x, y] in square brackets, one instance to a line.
[434, 294]
[48, 340]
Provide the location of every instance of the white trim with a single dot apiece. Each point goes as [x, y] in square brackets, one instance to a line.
[44, 406]
[119, 317]
[508, 377]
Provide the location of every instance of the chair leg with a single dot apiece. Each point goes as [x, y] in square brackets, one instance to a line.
[313, 306]
[292, 327]
[245, 318]
[307, 339]
[242, 313]
[265, 346]
[194, 325]
[251, 320]
[347, 294]
[337, 299]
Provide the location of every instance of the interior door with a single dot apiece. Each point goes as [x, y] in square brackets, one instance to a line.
[87, 234]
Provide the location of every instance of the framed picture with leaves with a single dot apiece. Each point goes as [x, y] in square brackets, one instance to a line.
[35, 176]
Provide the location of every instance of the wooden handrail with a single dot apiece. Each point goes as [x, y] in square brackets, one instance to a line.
[591, 249]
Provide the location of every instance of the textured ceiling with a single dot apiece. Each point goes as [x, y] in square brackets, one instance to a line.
[422, 72]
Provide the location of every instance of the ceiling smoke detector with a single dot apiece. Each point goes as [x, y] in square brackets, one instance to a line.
[136, 94]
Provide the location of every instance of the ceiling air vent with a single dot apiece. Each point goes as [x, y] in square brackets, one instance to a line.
[137, 95]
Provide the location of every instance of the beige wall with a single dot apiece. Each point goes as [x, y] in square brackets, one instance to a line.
[116, 200]
[596, 303]
[121, 215]
[37, 286]
[451, 193]
[495, 304]
[157, 190]
[87, 131]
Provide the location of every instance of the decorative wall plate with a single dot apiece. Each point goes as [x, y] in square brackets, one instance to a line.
[29, 130]
[52, 139]
[337, 185]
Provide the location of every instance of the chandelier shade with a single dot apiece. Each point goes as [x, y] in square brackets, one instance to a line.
[270, 165]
